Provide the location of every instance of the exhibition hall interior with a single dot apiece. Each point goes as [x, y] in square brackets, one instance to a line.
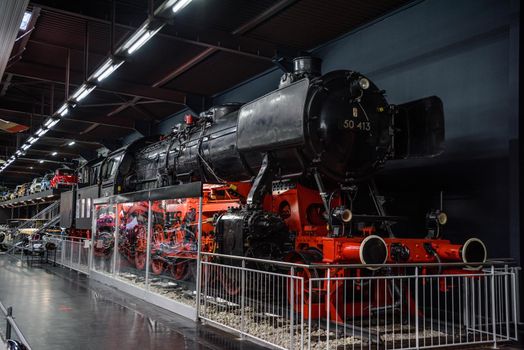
[263, 174]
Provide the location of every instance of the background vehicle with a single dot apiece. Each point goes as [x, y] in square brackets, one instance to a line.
[20, 190]
[46, 182]
[63, 177]
[27, 187]
[36, 185]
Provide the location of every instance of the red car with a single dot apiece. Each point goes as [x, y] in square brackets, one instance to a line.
[63, 177]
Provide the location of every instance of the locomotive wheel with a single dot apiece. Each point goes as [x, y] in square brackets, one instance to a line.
[157, 266]
[315, 295]
[140, 261]
[180, 270]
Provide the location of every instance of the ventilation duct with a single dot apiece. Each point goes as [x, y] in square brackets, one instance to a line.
[11, 14]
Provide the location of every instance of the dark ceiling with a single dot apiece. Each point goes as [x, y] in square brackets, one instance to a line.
[211, 46]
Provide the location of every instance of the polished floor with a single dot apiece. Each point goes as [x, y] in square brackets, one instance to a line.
[58, 309]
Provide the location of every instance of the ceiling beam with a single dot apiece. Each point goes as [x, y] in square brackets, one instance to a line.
[57, 76]
[243, 29]
[18, 114]
[220, 40]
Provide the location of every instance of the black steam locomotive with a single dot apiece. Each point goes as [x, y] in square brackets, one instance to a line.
[325, 132]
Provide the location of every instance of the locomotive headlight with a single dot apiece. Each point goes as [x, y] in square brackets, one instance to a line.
[442, 218]
[363, 83]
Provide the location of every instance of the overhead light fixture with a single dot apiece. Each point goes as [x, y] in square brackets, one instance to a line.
[107, 68]
[63, 110]
[142, 35]
[31, 168]
[82, 92]
[86, 92]
[140, 42]
[180, 5]
[25, 20]
[33, 140]
[26, 146]
[50, 123]
[71, 143]
[40, 161]
[54, 153]
[41, 132]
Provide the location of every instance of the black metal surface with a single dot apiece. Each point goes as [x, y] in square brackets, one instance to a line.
[338, 125]
[188, 190]
[67, 208]
[421, 128]
[274, 121]
[87, 195]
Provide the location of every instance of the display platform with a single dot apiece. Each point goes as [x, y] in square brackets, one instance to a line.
[39, 197]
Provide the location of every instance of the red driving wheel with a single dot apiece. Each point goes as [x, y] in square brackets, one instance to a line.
[157, 266]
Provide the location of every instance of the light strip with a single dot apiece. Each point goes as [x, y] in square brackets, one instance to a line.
[102, 69]
[80, 91]
[63, 110]
[42, 132]
[138, 44]
[86, 92]
[109, 71]
[135, 37]
[53, 123]
[180, 5]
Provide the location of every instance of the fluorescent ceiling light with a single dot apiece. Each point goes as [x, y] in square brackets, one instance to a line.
[135, 37]
[40, 161]
[71, 143]
[80, 91]
[86, 92]
[50, 123]
[54, 153]
[109, 70]
[26, 146]
[180, 5]
[53, 123]
[102, 69]
[33, 140]
[140, 42]
[41, 132]
[25, 20]
[63, 110]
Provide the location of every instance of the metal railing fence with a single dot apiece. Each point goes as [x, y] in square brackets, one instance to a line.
[297, 306]
[12, 331]
[72, 252]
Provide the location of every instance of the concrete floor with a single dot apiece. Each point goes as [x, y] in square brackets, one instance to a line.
[59, 309]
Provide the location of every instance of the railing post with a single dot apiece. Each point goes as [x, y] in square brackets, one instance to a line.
[328, 305]
[493, 320]
[417, 340]
[507, 293]
[243, 298]
[291, 309]
[514, 281]
[7, 323]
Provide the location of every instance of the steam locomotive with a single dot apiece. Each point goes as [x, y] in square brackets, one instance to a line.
[284, 170]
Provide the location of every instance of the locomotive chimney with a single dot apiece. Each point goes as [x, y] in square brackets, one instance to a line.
[307, 66]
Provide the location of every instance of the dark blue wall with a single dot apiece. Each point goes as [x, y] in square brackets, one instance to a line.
[466, 52]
